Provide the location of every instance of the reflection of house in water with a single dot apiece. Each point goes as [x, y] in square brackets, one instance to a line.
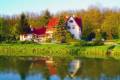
[74, 66]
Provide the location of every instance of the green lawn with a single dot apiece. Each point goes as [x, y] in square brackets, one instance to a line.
[60, 50]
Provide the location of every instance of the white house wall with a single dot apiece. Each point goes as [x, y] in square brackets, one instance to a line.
[26, 37]
[74, 28]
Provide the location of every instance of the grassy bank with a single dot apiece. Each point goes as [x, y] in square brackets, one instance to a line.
[58, 50]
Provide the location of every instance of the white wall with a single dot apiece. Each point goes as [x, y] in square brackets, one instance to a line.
[76, 31]
[26, 37]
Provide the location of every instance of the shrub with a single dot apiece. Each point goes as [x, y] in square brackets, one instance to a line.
[98, 43]
[80, 43]
[25, 42]
[49, 40]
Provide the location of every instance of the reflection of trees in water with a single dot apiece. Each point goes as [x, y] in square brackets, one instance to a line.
[14, 64]
[111, 67]
[92, 68]
[7, 63]
[62, 66]
[39, 67]
[22, 66]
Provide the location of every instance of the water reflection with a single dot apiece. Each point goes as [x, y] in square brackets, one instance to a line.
[32, 68]
[9, 76]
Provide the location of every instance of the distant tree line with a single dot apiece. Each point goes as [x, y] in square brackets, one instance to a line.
[96, 23]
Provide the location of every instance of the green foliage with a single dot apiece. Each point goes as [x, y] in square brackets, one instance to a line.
[97, 43]
[80, 43]
[23, 26]
[62, 35]
[25, 42]
[111, 24]
[49, 40]
[93, 19]
[57, 50]
[44, 19]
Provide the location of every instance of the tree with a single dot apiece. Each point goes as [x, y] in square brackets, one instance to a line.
[24, 26]
[111, 25]
[92, 20]
[4, 29]
[1, 29]
[43, 21]
[62, 34]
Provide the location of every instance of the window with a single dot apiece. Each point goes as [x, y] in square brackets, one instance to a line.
[72, 35]
[25, 36]
[73, 27]
[71, 21]
[68, 27]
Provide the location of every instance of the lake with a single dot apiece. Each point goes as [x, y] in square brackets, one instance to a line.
[46, 68]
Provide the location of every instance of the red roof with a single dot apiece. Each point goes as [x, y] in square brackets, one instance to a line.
[39, 31]
[79, 22]
[52, 23]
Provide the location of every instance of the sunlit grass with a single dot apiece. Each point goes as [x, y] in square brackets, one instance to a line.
[57, 50]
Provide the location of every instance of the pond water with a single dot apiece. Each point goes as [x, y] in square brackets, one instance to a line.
[41, 68]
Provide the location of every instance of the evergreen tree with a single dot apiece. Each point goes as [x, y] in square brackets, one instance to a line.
[62, 35]
[24, 25]
[44, 19]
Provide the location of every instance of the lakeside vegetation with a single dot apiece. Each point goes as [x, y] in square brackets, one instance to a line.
[58, 50]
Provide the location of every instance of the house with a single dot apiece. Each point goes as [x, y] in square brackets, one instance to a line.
[26, 36]
[40, 34]
[35, 34]
[51, 26]
[74, 25]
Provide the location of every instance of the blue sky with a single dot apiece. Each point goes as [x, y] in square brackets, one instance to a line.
[11, 7]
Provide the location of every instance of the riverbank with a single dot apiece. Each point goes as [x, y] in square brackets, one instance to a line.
[58, 50]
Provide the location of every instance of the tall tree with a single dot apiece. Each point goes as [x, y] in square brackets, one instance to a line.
[43, 20]
[23, 24]
[62, 34]
[92, 20]
[111, 25]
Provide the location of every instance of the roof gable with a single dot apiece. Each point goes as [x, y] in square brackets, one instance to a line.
[77, 20]
[52, 23]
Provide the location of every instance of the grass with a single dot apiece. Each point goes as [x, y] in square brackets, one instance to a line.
[57, 50]
[116, 52]
[95, 51]
[33, 50]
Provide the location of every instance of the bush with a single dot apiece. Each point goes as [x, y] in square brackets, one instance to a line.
[97, 43]
[49, 40]
[8, 41]
[85, 43]
[25, 42]
[80, 43]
